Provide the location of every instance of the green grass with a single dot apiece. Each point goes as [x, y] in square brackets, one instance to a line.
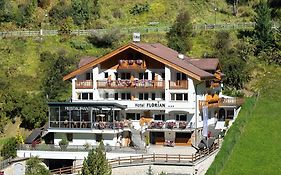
[257, 149]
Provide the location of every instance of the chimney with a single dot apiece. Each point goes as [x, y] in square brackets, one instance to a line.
[180, 56]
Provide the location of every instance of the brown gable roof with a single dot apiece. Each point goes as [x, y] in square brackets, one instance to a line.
[85, 60]
[172, 56]
[156, 51]
[205, 63]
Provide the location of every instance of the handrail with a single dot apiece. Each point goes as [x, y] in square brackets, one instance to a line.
[117, 84]
[179, 84]
[84, 84]
[152, 158]
[221, 102]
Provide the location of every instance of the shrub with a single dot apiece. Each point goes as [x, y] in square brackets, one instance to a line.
[139, 9]
[104, 39]
[80, 45]
[9, 149]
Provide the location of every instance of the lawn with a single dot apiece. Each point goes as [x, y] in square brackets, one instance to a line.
[257, 149]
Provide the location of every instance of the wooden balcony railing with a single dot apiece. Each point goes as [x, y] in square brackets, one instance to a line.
[221, 102]
[179, 84]
[132, 64]
[85, 84]
[120, 84]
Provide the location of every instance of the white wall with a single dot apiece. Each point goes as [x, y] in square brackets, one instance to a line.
[82, 138]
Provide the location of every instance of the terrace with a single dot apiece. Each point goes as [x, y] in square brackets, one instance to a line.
[220, 102]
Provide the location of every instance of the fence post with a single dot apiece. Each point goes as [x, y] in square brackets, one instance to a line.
[192, 157]
[179, 158]
[118, 160]
[153, 157]
[142, 158]
[166, 157]
[130, 159]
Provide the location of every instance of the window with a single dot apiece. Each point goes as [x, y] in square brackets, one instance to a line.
[163, 76]
[98, 137]
[69, 137]
[181, 76]
[132, 116]
[125, 76]
[106, 75]
[116, 75]
[178, 76]
[143, 96]
[146, 96]
[116, 96]
[125, 96]
[140, 96]
[153, 76]
[106, 95]
[159, 117]
[89, 76]
[185, 97]
[84, 96]
[181, 117]
[179, 97]
[143, 75]
[163, 96]
[153, 96]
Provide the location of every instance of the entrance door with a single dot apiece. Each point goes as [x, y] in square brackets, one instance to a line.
[183, 138]
[221, 115]
[157, 138]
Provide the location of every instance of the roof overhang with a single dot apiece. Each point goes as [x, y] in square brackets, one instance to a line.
[143, 51]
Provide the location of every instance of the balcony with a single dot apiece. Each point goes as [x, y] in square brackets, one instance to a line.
[179, 84]
[132, 65]
[90, 125]
[220, 102]
[85, 84]
[178, 125]
[123, 84]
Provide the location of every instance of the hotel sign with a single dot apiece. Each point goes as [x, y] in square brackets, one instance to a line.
[150, 105]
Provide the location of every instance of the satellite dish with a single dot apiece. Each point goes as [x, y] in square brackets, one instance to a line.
[136, 37]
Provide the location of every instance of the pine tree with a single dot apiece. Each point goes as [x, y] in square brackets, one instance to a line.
[180, 33]
[96, 163]
[263, 28]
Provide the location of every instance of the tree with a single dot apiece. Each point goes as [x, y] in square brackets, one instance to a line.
[263, 28]
[233, 60]
[6, 11]
[9, 148]
[149, 171]
[81, 11]
[25, 15]
[55, 67]
[179, 35]
[96, 163]
[34, 111]
[34, 166]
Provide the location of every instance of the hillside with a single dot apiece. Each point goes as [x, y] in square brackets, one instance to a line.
[255, 142]
[50, 14]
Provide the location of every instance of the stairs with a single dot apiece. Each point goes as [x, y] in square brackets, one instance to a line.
[136, 139]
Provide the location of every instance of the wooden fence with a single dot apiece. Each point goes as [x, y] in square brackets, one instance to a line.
[152, 29]
[174, 159]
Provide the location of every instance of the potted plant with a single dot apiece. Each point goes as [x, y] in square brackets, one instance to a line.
[63, 144]
[87, 146]
[130, 62]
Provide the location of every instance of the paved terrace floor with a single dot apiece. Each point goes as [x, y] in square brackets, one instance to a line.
[159, 149]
